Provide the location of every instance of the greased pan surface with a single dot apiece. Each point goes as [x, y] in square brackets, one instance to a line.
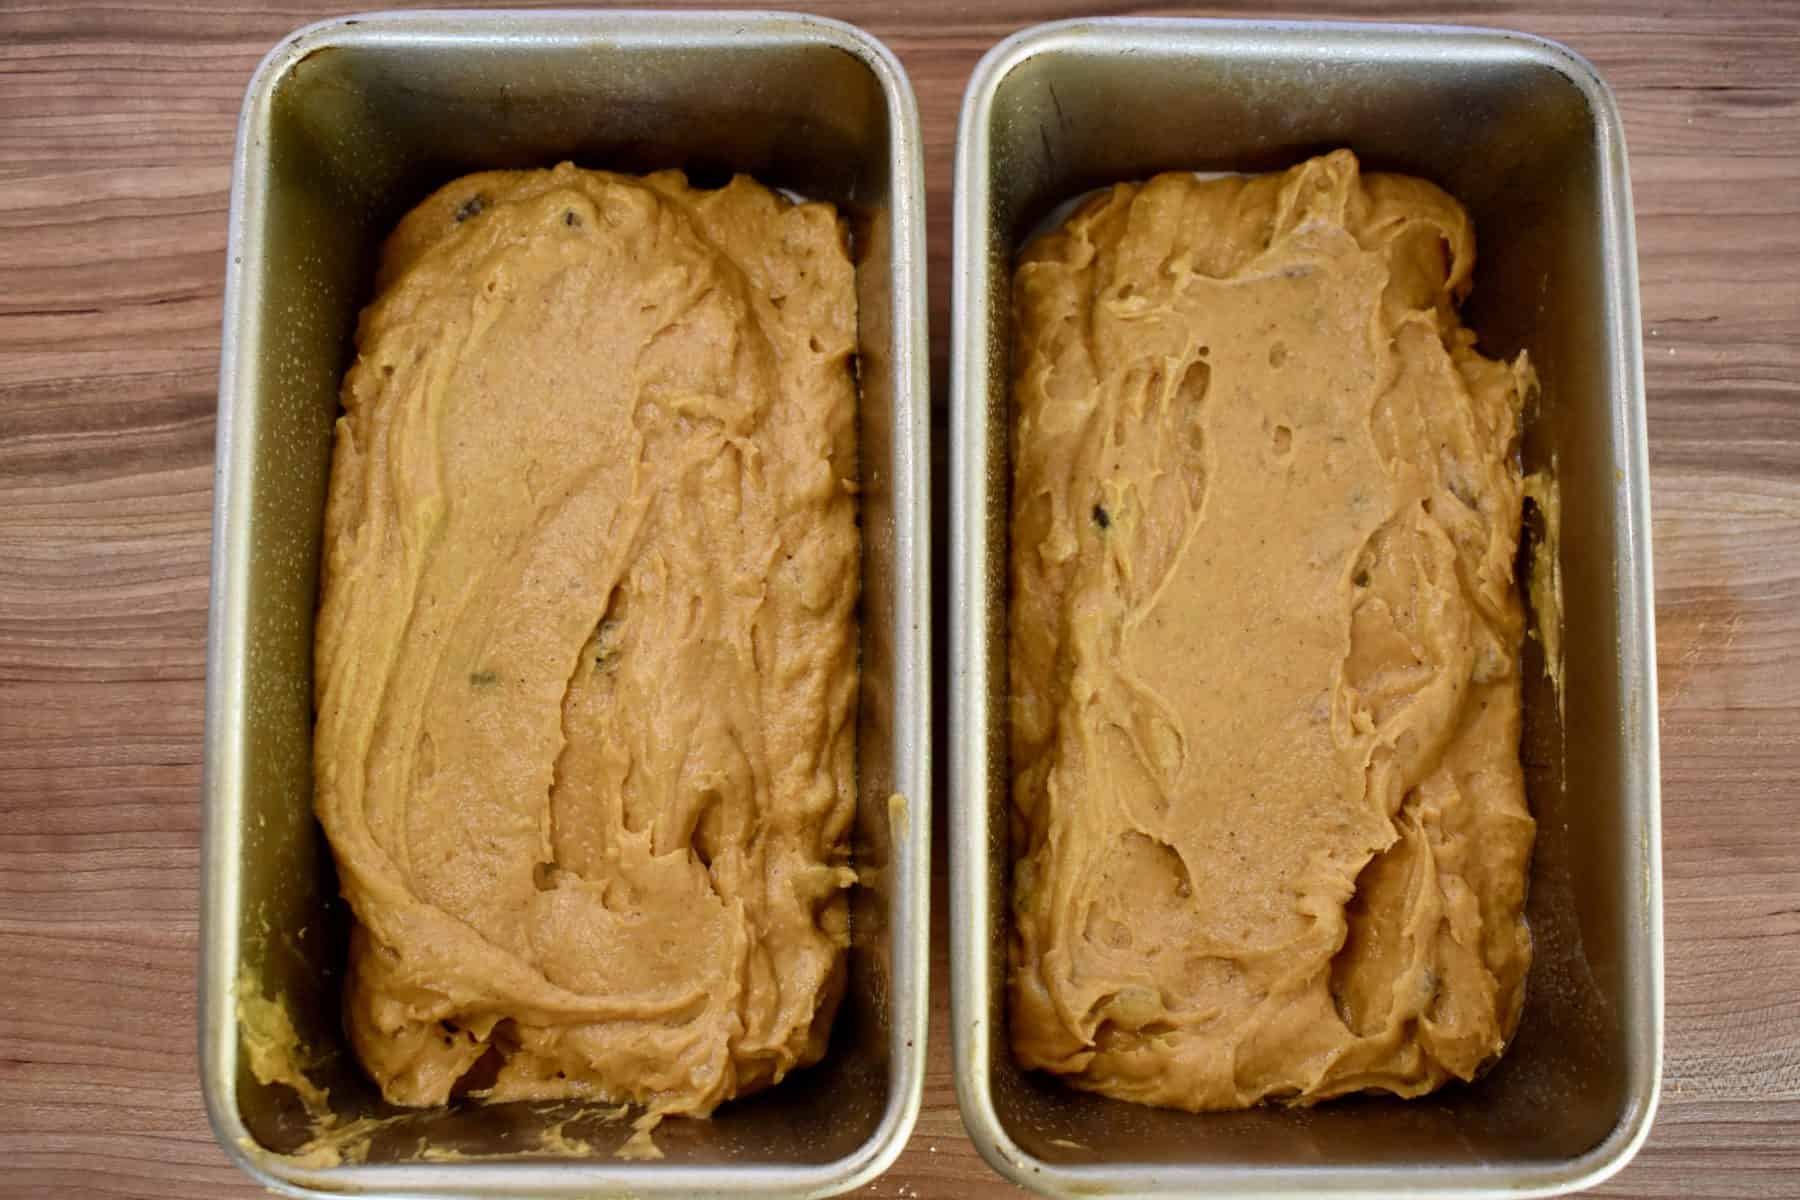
[345, 126]
[1528, 138]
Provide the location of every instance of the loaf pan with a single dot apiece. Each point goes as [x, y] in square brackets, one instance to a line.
[1525, 134]
[346, 125]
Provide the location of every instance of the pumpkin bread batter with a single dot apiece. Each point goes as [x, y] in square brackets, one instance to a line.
[586, 649]
[1270, 828]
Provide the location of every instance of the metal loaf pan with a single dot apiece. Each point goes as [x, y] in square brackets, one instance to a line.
[346, 125]
[1528, 137]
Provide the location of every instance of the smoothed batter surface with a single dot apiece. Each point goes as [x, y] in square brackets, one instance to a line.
[1270, 831]
[585, 664]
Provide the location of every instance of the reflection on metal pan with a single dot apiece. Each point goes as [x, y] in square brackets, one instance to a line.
[345, 126]
[1528, 138]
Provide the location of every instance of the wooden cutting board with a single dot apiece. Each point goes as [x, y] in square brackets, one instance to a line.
[116, 125]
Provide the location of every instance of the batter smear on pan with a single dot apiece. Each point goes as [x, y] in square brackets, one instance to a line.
[586, 652]
[1270, 830]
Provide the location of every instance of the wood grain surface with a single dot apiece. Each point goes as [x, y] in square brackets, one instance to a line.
[116, 124]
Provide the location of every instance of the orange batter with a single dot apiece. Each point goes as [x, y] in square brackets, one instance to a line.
[1271, 836]
[586, 660]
